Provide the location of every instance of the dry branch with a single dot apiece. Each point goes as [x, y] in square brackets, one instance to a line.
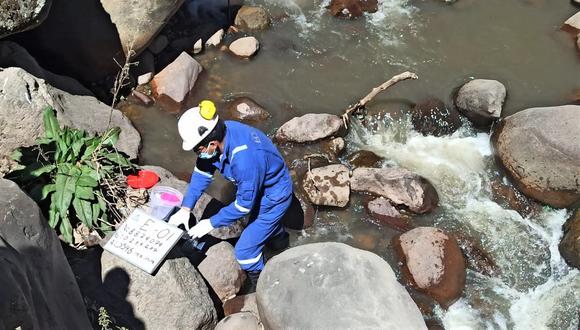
[361, 104]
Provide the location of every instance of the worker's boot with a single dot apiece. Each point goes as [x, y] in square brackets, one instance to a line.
[278, 242]
[250, 283]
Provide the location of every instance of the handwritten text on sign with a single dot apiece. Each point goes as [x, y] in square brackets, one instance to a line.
[143, 241]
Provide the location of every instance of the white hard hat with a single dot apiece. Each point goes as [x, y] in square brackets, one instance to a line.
[196, 123]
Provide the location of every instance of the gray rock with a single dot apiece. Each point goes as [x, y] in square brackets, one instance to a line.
[24, 99]
[364, 158]
[327, 185]
[222, 271]
[309, 127]
[37, 286]
[333, 286]
[18, 16]
[243, 303]
[175, 298]
[239, 321]
[158, 44]
[481, 101]
[245, 109]
[252, 18]
[381, 210]
[333, 148]
[245, 47]
[399, 185]
[177, 79]
[574, 21]
[539, 149]
[137, 25]
[570, 245]
[144, 78]
[215, 39]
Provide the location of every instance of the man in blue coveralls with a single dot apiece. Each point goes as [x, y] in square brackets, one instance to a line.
[247, 157]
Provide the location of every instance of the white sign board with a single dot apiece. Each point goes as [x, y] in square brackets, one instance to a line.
[143, 240]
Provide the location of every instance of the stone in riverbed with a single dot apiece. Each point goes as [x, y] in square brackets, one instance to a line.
[385, 213]
[239, 321]
[222, 271]
[364, 158]
[399, 185]
[176, 81]
[432, 263]
[327, 185]
[243, 303]
[309, 127]
[481, 101]
[245, 109]
[245, 47]
[347, 287]
[509, 197]
[432, 117]
[570, 245]
[352, 8]
[539, 149]
[144, 78]
[215, 39]
[574, 22]
[252, 18]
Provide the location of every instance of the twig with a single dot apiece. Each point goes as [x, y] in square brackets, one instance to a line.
[312, 176]
[361, 104]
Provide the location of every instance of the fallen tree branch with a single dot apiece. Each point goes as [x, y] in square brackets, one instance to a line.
[361, 104]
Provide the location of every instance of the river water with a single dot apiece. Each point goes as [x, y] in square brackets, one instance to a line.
[311, 62]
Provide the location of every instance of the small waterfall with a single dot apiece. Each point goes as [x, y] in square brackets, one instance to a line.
[536, 289]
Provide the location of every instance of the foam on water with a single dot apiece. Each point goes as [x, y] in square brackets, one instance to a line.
[536, 289]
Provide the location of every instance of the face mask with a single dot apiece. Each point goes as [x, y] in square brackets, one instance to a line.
[205, 155]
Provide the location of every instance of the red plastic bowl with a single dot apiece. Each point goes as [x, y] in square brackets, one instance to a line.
[144, 179]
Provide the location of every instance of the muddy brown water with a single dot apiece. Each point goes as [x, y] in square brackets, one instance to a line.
[312, 62]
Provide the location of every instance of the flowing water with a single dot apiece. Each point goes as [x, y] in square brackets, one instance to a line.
[311, 62]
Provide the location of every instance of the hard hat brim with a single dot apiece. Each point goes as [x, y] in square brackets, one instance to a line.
[187, 146]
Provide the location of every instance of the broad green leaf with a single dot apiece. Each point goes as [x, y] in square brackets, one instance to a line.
[51, 127]
[102, 203]
[42, 170]
[53, 215]
[84, 193]
[16, 155]
[84, 211]
[66, 230]
[65, 188]
[118, 159]
[76, 148]
[103, 223]
[111, 136]
[87, 181]
[96, 212]
[92, 145]
[90, 172]
[46, 190]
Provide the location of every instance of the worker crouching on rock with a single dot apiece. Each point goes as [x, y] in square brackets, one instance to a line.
[247, 157]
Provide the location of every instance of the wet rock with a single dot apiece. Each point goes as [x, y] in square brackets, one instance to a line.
[309, 127]
[307, 209]
[477, 258]
[364, 158]
[177, 79]
[245, 47]
[432, 263]
[222, 271]
[352, 8]
[252, 18]
[539, 149]
[399, 185]
[243, 303]
[365, 241]
[432, 117]
[576, 3]
[215, 39]
[145, 64]
[385, 213]
[18, 16]
[333, 280]
[481, 101]
[574, 22]
[138, 25]
[143, 99]
[245, 109]
[509, 197]
[176, 297]
[37, 286]
[327, 185]
[333, 148]
[570, 245]
[144, 78]
[24, 97]
[158, 44]
[244, 320]
[198, 46]
[14, 55]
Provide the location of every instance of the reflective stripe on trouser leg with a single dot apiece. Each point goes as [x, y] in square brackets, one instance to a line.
[267, 224]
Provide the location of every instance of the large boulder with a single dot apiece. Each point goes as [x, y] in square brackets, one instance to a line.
[433, 263]
[481, 101]
[352, 8]
[570, 244]
[222, 271]
[37, 286]
[309, 127]
[252, 18]
[243, 303]
[176, 297]
[174, 82]
[327, 185]
[399, 185]
[138, 23]
[24, 99]
[539, 149]
[432, 117]
[17, 16]
[347, 288]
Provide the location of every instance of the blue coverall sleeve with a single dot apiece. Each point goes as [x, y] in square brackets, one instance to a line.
[201, 178]
[249, 173]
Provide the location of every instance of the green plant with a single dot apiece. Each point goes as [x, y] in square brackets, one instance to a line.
[74, 171]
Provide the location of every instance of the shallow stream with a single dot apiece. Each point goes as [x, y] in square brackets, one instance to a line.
[312, 62]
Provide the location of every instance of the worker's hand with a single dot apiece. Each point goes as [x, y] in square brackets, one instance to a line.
[181, 217]
[203, 227]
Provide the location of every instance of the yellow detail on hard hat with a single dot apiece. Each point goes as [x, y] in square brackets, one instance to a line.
[207, 109]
